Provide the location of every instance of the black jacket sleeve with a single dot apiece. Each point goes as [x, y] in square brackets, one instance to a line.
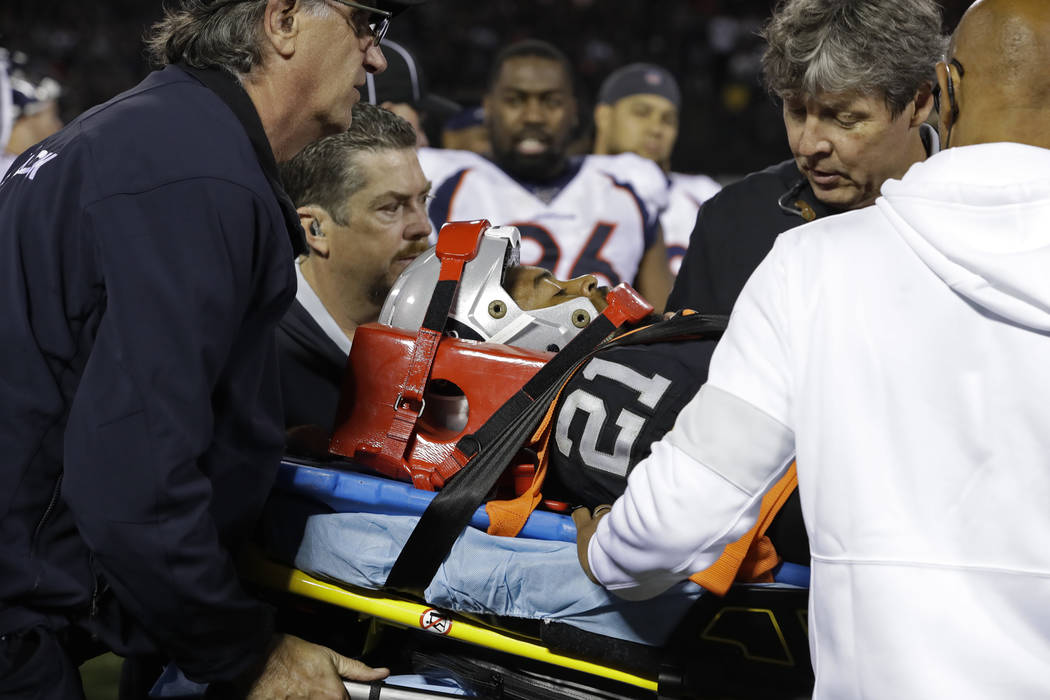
[141, 478]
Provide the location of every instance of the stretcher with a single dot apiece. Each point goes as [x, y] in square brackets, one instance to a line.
[751, 643]
[366, 558]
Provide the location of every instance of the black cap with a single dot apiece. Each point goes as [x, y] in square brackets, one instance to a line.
[639, 79]
[466, 118]
[403, 82]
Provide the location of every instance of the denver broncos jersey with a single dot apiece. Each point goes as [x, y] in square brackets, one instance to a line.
[598, 218]
[687, 193]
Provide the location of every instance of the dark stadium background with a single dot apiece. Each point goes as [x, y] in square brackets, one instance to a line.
[729, 125]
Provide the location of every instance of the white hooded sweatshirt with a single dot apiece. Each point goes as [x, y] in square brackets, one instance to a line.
[902, 351]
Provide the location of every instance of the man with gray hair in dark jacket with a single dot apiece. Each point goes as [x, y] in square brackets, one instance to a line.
[147, 255]
[855, 80]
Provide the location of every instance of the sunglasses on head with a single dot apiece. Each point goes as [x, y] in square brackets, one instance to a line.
[377, 21]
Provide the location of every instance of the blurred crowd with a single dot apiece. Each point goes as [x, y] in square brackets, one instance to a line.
[730, 125]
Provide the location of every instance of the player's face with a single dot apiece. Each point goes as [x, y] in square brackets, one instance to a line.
[388, 224]
[643, 124]
[334, 56]
[536, 288]
[530, 112]
[847, 145]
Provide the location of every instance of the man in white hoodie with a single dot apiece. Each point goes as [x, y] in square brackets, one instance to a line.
[900, 351]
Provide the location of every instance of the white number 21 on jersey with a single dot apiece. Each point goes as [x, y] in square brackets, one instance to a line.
[649, 389]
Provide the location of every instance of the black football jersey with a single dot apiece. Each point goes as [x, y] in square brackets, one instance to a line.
[616, 406]
[613, 409]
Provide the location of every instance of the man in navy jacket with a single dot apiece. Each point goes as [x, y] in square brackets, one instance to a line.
[146, 255]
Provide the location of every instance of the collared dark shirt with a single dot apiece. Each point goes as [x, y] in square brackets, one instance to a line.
[312, 367]
[735, 230]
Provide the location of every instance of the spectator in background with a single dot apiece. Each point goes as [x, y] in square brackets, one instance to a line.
[922, 464]
[637, 112]
[402, 89]
[34, 109]
[466, 131]
[6, 107]
[147, 256]
[583, 215]
[361, 197]
[856, 84]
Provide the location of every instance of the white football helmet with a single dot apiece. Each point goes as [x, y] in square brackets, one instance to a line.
[483, 309]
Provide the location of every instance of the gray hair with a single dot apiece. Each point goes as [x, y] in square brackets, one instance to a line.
[880, 47]
[213, 34]
[326, 173]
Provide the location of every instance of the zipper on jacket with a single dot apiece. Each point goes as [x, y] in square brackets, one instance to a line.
[47, 513]
[95, 592]
[99, 588]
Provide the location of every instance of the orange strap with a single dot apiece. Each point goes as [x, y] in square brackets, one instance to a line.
[752, 557]
[507, 517]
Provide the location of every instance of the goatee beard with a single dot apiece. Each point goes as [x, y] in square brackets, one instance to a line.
[531, 168]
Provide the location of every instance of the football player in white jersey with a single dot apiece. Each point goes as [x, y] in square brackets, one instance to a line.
[585, 215]
[637, 112]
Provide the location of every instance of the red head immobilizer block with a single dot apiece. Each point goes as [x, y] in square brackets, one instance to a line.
[488, 374]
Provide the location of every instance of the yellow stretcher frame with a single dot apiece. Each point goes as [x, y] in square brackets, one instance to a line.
[413, 615]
